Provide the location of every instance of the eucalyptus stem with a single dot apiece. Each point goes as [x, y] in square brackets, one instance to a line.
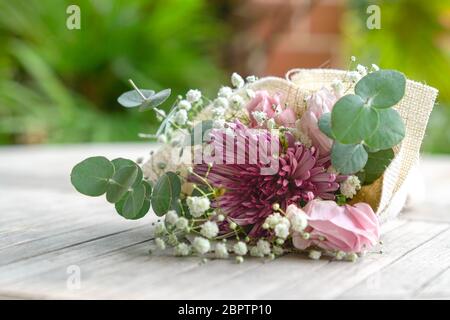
[137, 89]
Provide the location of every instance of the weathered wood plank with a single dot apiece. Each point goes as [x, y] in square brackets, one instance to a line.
[45, 226]
[408, 275]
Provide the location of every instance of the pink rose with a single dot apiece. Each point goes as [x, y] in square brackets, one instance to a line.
[271, 106]
[347, 228]
[317, 104]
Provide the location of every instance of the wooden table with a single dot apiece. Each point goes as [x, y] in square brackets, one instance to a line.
[49, 234]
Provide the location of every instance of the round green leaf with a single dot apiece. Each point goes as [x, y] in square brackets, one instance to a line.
[90, 177]
[390, 131]
[382, 88]
[119, 163]
[134, 202]
[352, 121]
[144, 210]
[348, 158]
[132, 99]
[325, 124]
[155, 100]
[120, 183]
[377, 163]
[165, 193]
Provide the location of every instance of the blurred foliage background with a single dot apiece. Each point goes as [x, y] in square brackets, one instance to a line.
[414, 38]
[60, 86]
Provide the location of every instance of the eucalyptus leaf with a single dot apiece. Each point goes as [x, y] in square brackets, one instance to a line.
[198, 133]
[390, 131]
[121, 182]
[325, 125]
[377, 163]
[165, 193]
[140, 214]
[134, 202]
[348, 158]
[90, 176]
[119, 163]
[132, 99]
[382, 88]
[155, 100]
[352, 121]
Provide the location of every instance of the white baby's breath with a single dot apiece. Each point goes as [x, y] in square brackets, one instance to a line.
[182, 249]
[181, 117]
[197, 205]
[193, 95]
[314, 254]
[263, 246]
[255, 252]
[350, 186]
[171, 217]
[185, 104]
[182, 224]
[260, 116]
[240, 248]
[282, 230]
[160, 244]
[160, 229]
[362, 70]
[201, 245]
[221, 251]
[237, 81]
[236, 101]
[209, 229]
[225, 92]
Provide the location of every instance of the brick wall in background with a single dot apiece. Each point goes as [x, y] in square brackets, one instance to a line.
[274, 36]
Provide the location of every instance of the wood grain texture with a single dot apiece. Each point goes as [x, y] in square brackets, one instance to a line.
[46, 227]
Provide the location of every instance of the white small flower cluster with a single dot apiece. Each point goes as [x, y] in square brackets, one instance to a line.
[350, 186]
[201, 245]
[198, 205]
[260, 117]
[221, 251]
[297, 217]
[279, 224]
[182, 249]
[193, 95]
[240, 248]
[209, 229]
[237, 81]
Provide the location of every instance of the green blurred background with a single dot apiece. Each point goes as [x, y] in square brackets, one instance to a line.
[60, 86]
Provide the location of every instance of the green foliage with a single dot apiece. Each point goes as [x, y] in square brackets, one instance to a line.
[166, 193]
[60, 85]
[412, 39]
[389, 133]
[121, 179]
[377, 163]
[348, 158]
[325, 125]
[366, 118]
[352, 121]
[91, 176]
[381, 89]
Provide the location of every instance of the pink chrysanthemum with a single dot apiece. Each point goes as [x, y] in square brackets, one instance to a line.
[249, 195]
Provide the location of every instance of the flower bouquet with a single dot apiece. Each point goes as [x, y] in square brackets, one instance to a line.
[308, 164]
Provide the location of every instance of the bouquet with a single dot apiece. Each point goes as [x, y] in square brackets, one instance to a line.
[308, 164]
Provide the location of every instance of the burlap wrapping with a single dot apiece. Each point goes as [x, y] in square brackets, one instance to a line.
[386, 195]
